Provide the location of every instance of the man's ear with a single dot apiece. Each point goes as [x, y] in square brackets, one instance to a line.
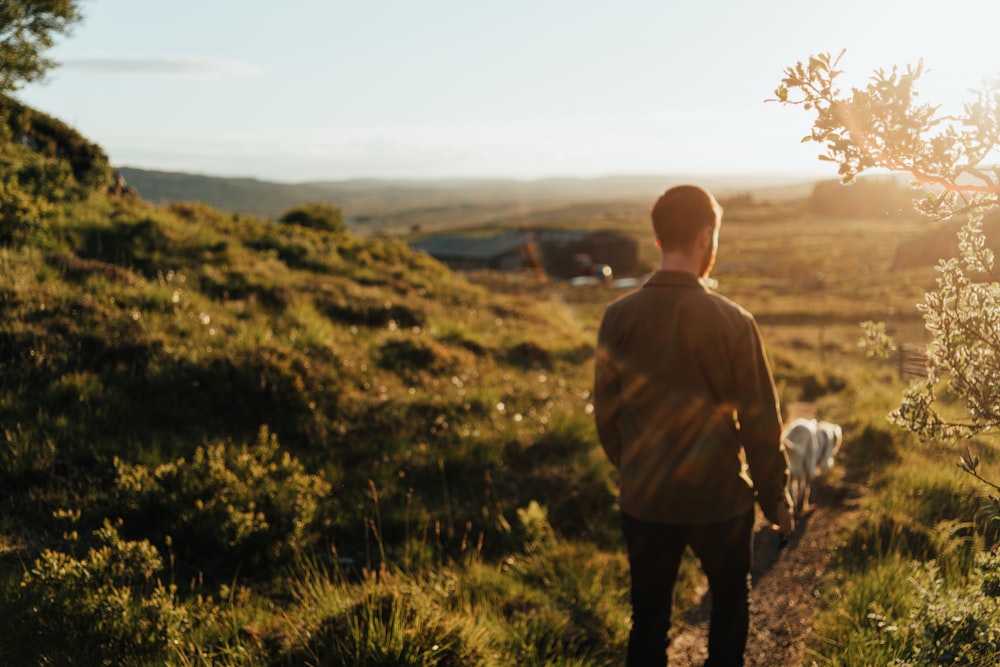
[659, 245]
[705, 237]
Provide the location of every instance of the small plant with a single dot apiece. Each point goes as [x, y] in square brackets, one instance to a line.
[107, 607]
[534, 520]
[573, 603]
[950, 625]
[23, 215]
[318, 215]
[390, 620]
[246, 507]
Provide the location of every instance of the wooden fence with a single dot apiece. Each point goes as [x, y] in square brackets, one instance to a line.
[912, 361]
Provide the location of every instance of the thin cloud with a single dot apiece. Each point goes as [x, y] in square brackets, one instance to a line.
[161, 66]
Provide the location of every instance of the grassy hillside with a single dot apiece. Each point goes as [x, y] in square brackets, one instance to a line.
[194, 399]
[229, 440]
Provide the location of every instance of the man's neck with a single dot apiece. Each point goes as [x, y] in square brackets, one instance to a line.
[675, 261]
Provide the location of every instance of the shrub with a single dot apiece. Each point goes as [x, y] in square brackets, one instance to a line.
[245, 507]
[52, 138]
[953, 626]
[105, 608]
[22, 215]
[317, 215]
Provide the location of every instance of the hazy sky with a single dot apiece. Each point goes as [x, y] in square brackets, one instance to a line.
[295, 90]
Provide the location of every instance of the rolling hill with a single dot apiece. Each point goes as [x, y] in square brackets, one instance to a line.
[387, 205]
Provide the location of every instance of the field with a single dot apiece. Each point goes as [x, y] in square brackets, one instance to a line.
[896, 552]
[234, 441]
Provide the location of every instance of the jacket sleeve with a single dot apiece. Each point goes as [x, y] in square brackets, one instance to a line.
[760, 425]
[607, 396]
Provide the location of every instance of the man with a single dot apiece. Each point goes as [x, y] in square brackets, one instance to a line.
[685, 404]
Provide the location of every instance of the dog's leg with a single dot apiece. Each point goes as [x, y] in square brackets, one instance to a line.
[799, 495]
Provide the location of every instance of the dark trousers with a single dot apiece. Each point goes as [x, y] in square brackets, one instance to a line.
[654, 555]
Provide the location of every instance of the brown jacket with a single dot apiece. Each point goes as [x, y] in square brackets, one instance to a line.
[685, 403]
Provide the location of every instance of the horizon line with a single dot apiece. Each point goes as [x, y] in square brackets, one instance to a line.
[790, 177]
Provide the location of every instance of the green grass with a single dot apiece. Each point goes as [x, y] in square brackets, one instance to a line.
[909, 581]
[151, 345]
[327, 449]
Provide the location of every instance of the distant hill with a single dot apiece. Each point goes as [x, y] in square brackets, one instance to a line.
[393, 204]
[235, 195]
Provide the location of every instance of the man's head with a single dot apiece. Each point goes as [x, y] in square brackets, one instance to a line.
[686, 218]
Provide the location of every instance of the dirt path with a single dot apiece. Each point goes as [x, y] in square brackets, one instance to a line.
[786, 589]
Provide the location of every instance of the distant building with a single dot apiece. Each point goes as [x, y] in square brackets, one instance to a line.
[562, 250]
[512, 250]
[558, 251]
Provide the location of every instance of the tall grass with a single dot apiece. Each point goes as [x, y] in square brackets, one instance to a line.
[910, 585]
[559, 603]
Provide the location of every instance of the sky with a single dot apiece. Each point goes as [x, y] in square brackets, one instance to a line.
[311, 90]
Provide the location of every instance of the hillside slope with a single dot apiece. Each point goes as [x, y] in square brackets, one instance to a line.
[135, 331]
[195, 396]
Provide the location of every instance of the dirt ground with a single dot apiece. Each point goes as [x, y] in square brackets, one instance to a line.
[786, 589]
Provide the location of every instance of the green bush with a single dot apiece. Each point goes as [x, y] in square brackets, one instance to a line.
[23, 216]
[106, 608]
[247, 508]
[953, 626]
[317, 215]
[55, 140]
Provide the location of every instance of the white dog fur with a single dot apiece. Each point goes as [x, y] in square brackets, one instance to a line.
[811, 446]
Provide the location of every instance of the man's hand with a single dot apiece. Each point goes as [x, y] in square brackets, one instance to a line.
[786, 520]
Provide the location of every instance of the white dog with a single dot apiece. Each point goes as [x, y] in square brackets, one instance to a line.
[811, 446]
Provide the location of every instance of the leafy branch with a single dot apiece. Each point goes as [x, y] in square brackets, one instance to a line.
[882, 126]
[27, 30]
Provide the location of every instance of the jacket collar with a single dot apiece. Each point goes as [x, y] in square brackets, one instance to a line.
[674, 279]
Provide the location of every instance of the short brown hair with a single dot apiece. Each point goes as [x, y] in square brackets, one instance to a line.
[681, 212]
